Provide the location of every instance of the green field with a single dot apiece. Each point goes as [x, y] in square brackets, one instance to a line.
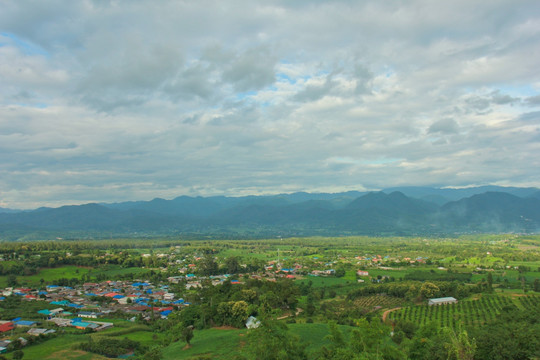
[61, 347]
[48, 275]
[113, 271]
[214, 343]
[223, 344]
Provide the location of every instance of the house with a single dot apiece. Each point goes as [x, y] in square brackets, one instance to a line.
[24, 323]
[441, 301]
[175, 279]
[61, 322]
[103, 326]
[362, 273]
[123, 300]
[39, 331]
[7, 326]
[88, 314]
[77, 323]
[191, 285]
[45, 312]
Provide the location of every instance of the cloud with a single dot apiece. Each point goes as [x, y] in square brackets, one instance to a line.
[444, 126]
[252, 70]
[533, 100]
[112, 101]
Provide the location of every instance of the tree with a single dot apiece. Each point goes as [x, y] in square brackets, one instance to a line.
[490, 282]
[310, 307]
[232, 265]
[458, 344]
[340, 272]
[153, 354]
[272, 341]
[18, 354]
[512, 335]
[209, 265]
[429, 290]
[187, 334]
[12, 280]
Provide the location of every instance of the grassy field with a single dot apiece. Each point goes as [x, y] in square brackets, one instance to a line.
[314, 335]
[61, 347]
[214, 343]
[49, 275]
[223, 344]
[112, 271]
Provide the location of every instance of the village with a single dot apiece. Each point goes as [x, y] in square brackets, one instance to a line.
[83, 306]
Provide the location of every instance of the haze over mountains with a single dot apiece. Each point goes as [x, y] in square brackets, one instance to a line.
[395, 211]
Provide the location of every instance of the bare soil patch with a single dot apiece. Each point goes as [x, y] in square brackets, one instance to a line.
[224, 327]
[385, 314]
[73, 354]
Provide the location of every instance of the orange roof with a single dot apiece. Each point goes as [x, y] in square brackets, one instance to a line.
[111, 294]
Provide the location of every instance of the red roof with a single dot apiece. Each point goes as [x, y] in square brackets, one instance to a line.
[140, 308]
[111, 294]
[164, 309]
[6, 327]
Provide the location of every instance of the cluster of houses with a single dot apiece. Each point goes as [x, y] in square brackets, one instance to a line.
[120, 294]
[8, 327]
[78, 307]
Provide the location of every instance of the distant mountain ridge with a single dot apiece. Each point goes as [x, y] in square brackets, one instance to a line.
[388, 212]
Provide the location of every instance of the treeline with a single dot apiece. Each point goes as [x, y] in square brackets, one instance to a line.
[110, 347]
[415, 289]
[420, 275]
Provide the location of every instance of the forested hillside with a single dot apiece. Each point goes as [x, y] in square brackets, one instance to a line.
[302, 214]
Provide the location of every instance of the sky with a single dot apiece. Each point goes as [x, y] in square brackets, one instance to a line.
[108, 101]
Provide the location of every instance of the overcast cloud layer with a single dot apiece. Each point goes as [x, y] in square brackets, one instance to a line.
[131, 100]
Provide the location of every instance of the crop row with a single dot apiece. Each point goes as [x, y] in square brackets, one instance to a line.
[368, 302]
[469, 312]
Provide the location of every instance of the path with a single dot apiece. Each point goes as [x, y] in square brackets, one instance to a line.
[385, 314]
[298, 311]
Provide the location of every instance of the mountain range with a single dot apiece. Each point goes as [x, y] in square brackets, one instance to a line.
[395, 211]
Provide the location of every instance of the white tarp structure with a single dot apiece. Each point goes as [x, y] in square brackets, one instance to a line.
[252, 323]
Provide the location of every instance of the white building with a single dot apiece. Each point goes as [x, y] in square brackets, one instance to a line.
[441, 301]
